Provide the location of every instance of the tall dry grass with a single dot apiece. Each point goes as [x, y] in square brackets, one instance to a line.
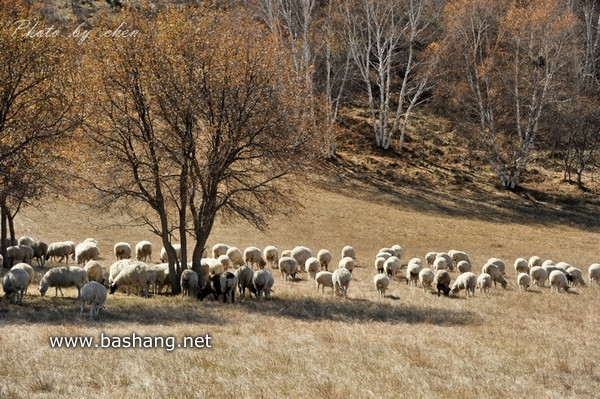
[302, 344]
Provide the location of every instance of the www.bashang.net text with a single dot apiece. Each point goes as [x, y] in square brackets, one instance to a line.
[104, 341]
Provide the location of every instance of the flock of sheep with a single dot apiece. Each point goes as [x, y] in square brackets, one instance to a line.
[229, 270]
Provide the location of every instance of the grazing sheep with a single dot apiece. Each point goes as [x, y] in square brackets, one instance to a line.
[426, 276]
[440, 263]
[253, 257]
[219, 249]
[225, 261]
[430, 257]
[534, 261]
[86, 251]
[523, 281]
[399, 251]
[348, 263]
[442, 280]
[577, 276]
[14, 284]
[301, 254]
[212, 266]
[287, 254]
[412, 273]
[547, 263]
[271, 255]
[495, 273]
[501, 265]
[189, 283]
[594, 274]
[62, 250]
[63, 276]
[348, 251]
[324, 257]
[384, 255]
[466, 281]
[116, 268]
[164, 257]
[484, 282]
[25, 240]
[288, 266]
[236, 257]
[381, 282]
[312, 266]
[135, 274]
[93, 293]
[40, 250]
[521, 265]
[262, 283]
[220, 284]
[163, 277]
[379, 262]
[449, 262]
[324, 279]
[245, 276]
[458, 256]
[122, 250]
[341, 280]
[391, 266]
[28, 269]
[538, 275]
[143, 251]
[463, 266]
[558, 281]
[94, 271]
[18, 253]
[388, 250]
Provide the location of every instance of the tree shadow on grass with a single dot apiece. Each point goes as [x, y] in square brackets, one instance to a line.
[359, 310]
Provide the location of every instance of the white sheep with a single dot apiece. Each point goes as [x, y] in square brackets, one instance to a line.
[558, 281]
[399, 251]
[219, 249]
[594, 274]
[28, 269]
[347, 263]
[521, 265]
[93, 293]
[430, 257]
[484, 282]
[63, 276]
[163, 277]
[324, 257]
[466, 281]
[379, 262]
[253, 257]
[18, 253]
[577, 276]
[341, 280]
[236, 257]
[412, 273]
[381, 282]
[449, 263]
[523, 281]
[458, 256]
[348, 251]
[116, 268]
[440, 263]
[122, 250]
[384, 255]
[143, 251]
[324, 279]
[220, 284]
[25, 240]
[312, 266]
[286, 253]
[189, 283]
[135, 274]
[500, 263]
[214, 266]
[463, 266]
[288, 266]
[164, 257]
[94, 271]
[548, 263]
[225, 261]
[426, 276]
[61, 249]
[86, 251]
[262, 283]
[495, 273]
[271, 255]
[391, 266]
[14, 284]
[534, 261]
[538, 275]
[387, 250]
[245, 276]
[301, 254]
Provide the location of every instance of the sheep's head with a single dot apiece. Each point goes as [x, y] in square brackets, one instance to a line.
[113, 288]
[205, 291]
[42, 289]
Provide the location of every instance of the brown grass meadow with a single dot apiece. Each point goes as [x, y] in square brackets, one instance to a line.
[411, 344]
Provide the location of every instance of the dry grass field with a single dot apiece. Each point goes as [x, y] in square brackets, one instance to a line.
[411, 344]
